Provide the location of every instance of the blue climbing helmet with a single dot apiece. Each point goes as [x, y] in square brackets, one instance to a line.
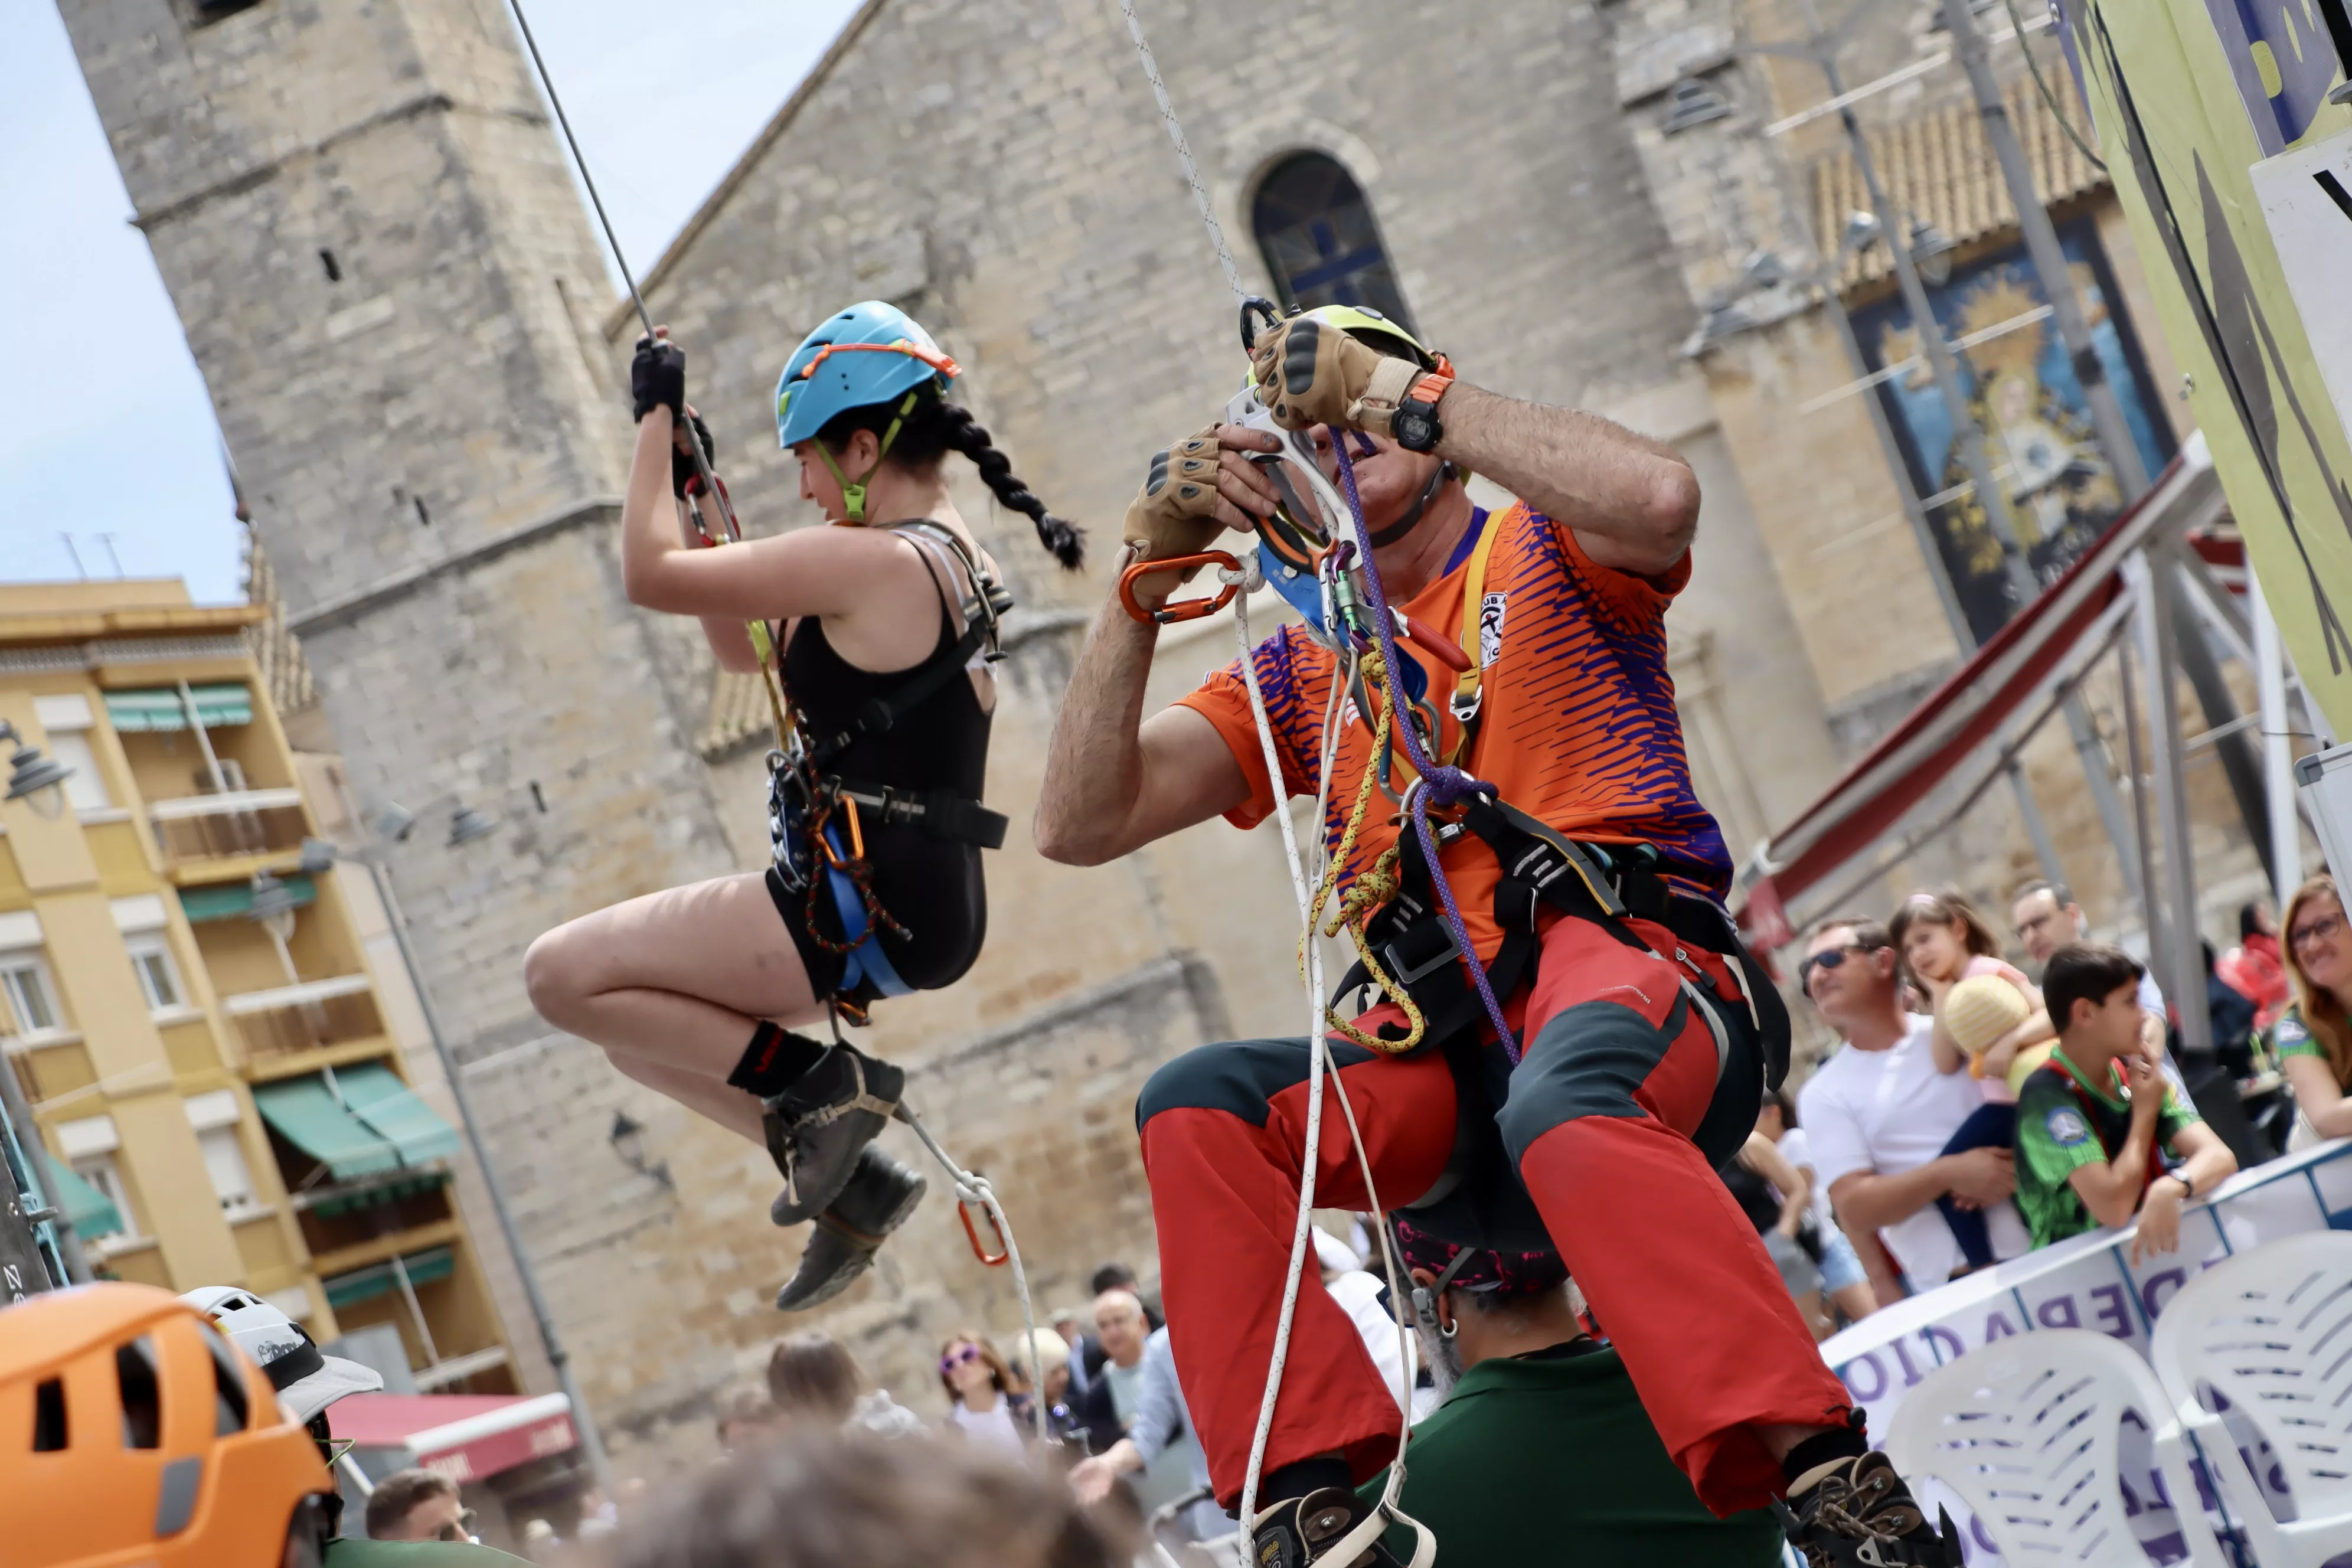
[869, 354]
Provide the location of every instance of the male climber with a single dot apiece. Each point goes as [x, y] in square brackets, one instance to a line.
[1588, 877]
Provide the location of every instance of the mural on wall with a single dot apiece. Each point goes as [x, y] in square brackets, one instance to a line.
[2024, 396]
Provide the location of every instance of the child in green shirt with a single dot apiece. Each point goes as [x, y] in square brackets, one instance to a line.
[2086, 1158]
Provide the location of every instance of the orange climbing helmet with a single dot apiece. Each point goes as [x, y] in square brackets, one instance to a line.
[132, 1433]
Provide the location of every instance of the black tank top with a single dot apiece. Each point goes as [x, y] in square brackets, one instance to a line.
[929, 885]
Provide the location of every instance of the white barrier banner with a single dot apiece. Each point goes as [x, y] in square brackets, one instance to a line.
[2090, 1282]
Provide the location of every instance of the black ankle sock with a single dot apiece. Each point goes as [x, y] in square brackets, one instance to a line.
[1836, 1443]
[774, 1061]
[1300, 1479]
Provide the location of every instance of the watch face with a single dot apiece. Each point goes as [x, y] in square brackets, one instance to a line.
[1415, 432]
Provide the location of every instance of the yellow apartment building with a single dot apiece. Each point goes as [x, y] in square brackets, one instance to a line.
[191, 1013]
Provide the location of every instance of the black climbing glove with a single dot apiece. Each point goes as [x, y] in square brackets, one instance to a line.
[657, 377]
[681, 460]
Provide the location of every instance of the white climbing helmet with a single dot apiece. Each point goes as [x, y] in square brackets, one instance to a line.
[306, 1379]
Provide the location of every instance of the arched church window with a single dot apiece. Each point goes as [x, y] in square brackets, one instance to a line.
[1317, 234]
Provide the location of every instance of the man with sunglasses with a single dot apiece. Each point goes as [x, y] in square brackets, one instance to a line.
[1879, 1114]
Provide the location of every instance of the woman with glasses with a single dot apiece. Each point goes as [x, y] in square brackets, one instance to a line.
[2314, 1037]
[989, 1404]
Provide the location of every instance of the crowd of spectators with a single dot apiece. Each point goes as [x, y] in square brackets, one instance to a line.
[1973, 1110]
[1992, 1092]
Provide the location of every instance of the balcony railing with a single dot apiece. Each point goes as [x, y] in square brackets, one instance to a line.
[241, 822]
[304, 1018]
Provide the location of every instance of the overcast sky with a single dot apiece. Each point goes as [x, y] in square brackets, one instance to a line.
[105, 427]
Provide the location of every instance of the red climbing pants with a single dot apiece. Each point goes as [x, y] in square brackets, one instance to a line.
[1623, 1106]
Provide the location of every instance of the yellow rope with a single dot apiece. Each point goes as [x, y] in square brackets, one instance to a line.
[1373, 890]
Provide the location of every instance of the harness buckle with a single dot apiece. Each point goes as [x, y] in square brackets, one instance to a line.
[1404, 977]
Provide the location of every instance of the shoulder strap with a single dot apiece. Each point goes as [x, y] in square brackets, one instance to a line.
[989, 600]
[1466, 695]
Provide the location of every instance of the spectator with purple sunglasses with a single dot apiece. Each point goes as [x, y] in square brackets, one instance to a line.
[989, 1404]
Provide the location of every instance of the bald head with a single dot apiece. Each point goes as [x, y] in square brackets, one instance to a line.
[1120, 1321]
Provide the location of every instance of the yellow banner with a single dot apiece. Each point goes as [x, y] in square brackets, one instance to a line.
[2207, 110]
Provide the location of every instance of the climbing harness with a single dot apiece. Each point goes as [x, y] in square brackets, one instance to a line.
[939, 812]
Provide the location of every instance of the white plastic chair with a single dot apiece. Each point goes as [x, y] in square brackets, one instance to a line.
[2027, 1431]
[2271, 1331]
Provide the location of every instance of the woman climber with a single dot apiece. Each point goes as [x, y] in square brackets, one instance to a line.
[875, 637]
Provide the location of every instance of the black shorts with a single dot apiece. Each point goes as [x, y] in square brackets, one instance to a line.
[931, 887]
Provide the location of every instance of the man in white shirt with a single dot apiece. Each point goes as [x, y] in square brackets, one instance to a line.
[1880, 1114]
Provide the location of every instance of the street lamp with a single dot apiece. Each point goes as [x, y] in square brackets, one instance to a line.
[465, 826]
[37, 780]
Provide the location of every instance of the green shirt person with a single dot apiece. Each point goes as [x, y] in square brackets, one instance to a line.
[1548, 1456]
[1542, 1452]
[2085, 1157]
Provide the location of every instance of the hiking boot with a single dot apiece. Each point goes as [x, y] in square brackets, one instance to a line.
[1299, 1530]
[816, 1128]
[881, 1193]
[1857, 1513]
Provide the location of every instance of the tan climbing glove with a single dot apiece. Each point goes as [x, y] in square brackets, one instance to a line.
[1174, 515]
[1310, 373]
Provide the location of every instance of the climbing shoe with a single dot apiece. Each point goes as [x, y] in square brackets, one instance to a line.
[816, 1128]
[1299, 1530]
[1857, 1513]
[881, 1193]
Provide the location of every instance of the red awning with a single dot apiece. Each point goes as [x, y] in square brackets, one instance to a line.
[464, 1437]
[1967, 709]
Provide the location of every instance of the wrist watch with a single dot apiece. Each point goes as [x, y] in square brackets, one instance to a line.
[2187, 1190]
[1417, 426]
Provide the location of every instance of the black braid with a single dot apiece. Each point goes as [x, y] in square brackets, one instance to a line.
[935, 427]
[962, 434]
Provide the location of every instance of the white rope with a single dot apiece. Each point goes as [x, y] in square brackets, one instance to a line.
[1183, 151]
[972, 1188]
[1306, 874]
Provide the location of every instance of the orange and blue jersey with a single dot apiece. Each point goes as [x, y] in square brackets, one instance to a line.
[1577, 725]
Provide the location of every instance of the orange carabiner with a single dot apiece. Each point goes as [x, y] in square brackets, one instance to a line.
[857, 840]
[979, 1249]
[1191, 609]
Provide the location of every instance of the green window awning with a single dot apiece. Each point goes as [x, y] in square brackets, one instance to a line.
[372, 1126]
[426, 1267]
[91, 1212]
[378, 1097]
[233, 900]
[159, 708]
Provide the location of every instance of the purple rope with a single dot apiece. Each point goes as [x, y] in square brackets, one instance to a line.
[1444, 785]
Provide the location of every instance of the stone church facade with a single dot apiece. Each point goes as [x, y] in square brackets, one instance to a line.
[363, 216]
